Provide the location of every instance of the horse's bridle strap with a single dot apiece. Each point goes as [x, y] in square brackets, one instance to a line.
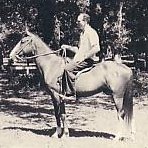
[39, 55]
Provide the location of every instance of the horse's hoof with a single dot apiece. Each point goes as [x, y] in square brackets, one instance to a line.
[124, 139]
[54, 135]
[65, 134]
[58, 133]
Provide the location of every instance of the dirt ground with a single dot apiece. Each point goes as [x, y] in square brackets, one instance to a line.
[27, 121]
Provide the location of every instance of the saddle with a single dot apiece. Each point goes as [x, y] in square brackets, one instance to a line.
[68, 81]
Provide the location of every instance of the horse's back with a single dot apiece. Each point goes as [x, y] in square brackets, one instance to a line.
[109, 68]
[112, 66]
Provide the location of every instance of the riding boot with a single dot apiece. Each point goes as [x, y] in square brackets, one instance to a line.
[68, 81]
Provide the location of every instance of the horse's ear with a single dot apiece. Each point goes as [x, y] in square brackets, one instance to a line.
[28, 32]
[26, 29]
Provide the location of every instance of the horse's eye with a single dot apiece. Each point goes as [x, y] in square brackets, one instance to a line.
[22, 41]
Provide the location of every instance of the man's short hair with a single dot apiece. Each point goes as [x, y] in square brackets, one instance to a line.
[85, 17]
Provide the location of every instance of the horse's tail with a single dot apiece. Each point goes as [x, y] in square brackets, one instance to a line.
[128, 102]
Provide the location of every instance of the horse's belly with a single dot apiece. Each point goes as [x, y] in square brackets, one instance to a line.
[89, 83]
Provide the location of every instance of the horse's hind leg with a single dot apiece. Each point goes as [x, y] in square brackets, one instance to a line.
[124, 104]
[122, 126]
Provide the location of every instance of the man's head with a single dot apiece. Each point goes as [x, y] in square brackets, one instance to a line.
[82, 20]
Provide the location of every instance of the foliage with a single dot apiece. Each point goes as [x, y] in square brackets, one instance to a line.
[55, 22]
[117, 35]
[137, 18]
[23, 81]
[15, 14]
[66, 17]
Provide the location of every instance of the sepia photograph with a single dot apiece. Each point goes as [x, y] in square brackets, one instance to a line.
[73, 73]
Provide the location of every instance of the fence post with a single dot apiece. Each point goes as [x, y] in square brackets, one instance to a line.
[146, 59]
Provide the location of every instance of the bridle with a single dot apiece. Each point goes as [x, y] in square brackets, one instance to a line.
[21, 50]
[38, 55]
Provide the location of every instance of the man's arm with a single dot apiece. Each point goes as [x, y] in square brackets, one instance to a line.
[95, 49]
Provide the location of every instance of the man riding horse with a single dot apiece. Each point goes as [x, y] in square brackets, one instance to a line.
[85, 55]
[110, 77]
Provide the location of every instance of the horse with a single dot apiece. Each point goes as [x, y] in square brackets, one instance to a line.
[114, 79]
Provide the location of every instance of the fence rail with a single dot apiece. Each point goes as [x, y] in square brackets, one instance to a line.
[21, 66]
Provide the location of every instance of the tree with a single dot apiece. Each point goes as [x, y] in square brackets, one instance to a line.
[38, 15]
[137, 17]
[116, 32]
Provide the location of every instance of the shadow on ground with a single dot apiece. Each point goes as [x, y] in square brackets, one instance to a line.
[72, 132]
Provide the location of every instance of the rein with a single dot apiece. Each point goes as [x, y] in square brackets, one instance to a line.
[36, 56]
[39, 55]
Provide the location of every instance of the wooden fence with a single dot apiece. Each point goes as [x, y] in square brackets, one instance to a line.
[21, 66]
[31, 67]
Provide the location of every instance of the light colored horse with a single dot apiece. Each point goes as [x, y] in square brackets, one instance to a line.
[110, 77]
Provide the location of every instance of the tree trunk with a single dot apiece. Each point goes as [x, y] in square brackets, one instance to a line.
[146, 59]
[135, 55]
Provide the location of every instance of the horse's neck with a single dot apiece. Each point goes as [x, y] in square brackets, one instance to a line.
[41, 47]
[46, 56]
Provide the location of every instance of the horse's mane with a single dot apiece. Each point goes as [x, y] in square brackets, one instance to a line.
[35, 36]
[46, 47]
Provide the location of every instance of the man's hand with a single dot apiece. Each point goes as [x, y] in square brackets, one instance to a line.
[73, 49]
[71, 66]
[65, 46]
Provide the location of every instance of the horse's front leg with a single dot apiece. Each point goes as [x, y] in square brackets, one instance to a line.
[60, 115]
[56, 104]
[63, 118]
